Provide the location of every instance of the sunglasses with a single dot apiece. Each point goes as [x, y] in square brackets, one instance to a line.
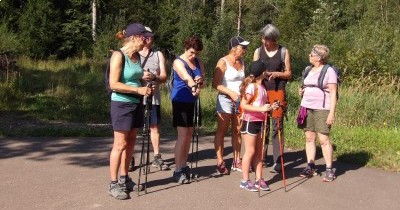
[243, 47]
[145, 38]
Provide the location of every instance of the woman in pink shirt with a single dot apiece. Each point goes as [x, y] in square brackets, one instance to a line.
[321, 105]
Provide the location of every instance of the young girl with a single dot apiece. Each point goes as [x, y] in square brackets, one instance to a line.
[255, 107]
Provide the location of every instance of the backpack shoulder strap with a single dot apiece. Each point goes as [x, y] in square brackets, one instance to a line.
[283, 55]
[304, 74]
[322, 76]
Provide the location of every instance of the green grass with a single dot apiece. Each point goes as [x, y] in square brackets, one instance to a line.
[45, 95]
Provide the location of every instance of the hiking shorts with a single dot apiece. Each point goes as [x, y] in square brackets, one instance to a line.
[126, 116]
[251, 128]
[182, 114]
[155, 115]
[316, 121]
[225, 104]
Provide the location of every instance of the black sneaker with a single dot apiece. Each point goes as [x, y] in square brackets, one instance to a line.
[158, 162]
[309, 172]
[132, 164]
[180, 177]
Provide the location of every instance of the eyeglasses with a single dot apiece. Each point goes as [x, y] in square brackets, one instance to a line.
[314, 53]
[243, 47]
[145, 38]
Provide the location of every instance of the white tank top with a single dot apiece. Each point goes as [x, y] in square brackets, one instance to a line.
[232, 77]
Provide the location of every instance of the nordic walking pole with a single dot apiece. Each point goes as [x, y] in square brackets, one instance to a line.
[281, 151]
[195, 135]
[146, 137]
[262, 151]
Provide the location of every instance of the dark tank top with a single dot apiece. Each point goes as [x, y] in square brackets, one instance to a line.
[274, 63]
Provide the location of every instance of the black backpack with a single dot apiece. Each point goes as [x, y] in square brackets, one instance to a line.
[107, 72]
[321, 79]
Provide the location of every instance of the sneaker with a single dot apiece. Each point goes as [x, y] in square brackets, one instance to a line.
[128, 185]
[187, 171]
[329, 175]
[116, 191]
[237, 166]
[158, 162]
[264, 164]
[263, 187]
[221, 169]
[132, 164]
[247, 185]
[276, 168]
[180, 177]
[309, 172]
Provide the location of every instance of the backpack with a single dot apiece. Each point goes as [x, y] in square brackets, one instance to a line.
[252, 99]
[321, 79]
[107, 72]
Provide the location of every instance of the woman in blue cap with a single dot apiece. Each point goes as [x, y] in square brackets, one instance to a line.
[126, 114]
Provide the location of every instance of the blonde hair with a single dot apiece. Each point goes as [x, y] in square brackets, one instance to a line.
[322, 51]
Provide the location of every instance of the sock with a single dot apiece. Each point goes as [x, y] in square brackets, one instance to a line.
[124, 177]
[311, 165]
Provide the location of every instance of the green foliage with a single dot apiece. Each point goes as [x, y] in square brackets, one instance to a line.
[39, 27]
[9, 40]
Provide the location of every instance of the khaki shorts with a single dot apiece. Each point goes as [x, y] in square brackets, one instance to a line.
[316, 121]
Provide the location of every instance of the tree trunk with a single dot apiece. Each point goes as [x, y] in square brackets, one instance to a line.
[94, 19]
[239, 17]
[222, 7]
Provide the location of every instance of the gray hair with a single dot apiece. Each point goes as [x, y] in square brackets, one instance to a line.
[270, 32]
[322, 51]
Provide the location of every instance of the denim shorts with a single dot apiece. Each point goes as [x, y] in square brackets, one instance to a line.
[155, 115]
[251, 128]
[226, 105]
[126, 116]
[316, 121]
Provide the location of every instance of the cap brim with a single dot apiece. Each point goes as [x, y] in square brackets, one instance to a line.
[148, 34]
[244, 43]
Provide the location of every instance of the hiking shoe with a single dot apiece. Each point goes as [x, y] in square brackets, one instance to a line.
[263, 187]
[187, 171]
[180, 177]
[221, 169]
[158, 162]
[248, 185]
[329, 175]
[132, 164]
[236, 166]
[276, 168]
[264, 164]
[308, 172]
[128, 185]
[115, 190]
